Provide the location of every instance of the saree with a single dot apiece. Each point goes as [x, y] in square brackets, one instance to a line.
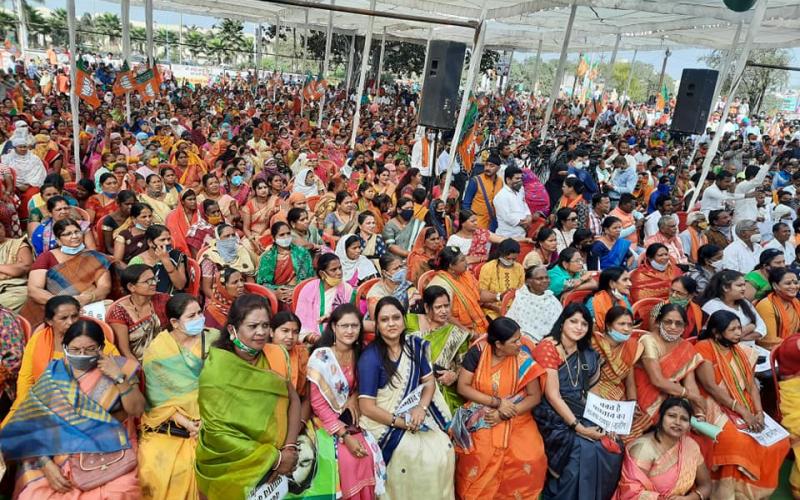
[272, 275]
[178, 224]
[649, 283]
[161, 208]
[418, 465]
[171, 377]
[448, 345]
[601, 257]
[217, 308]
[13, 291]
[62, 416]
[238, 444]
[70, 277]
[314, 302]
[577, 467]
[418, 261]
[464, 299]
[102, 206]
[617, 363]
[782, 318]
[599, 305]
[649, 475]
[740, 466]
[142, 331]
[479, 247]
[497, 465]
[787, 355]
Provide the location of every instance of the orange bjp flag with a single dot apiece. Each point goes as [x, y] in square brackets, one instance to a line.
[84, 86]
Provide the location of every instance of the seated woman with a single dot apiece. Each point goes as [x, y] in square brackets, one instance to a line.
[666, 462]
[284, 265]
[609, 250]
[472, 240]
[86, 394]
[202, 233]
[53, 186]
[394, 370]
[67, 270]
[501, 275]
[572, 198]
[257, 213]
[286, 339]
[655, 273]
[740, 466]
[726, 291]
[14, 339]
[613, 289]
[131, 241]
[168, 263]
[437, 217]
[535, 308]
[42, 237]
[682, 292]
[155, 196]
[183, 217]
[500, 451]
[304, 232]
[545, 251]
[334, 400]
[225, 251]
[115, 222]
[466, 297]
[757, 284]
[372, 245]
[227, 287]
[568, 274]
[243, 446]
[212, 190]
[667, 368]
[343, 220]
[780, 309]
[709, 262]
[172, 190]
[46, 343]
[425, 250]
[356, 268]
[103, 203]
[565, 226]
[172, 364]
[15, 263]
[138, 317]
[448, 343]
[582, 461]
[319, 297]
[392, 282]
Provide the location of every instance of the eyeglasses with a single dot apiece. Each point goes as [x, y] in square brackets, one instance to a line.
[671, 323]
[83, 351]
[71, 234]
[572, 219]
[151, 282]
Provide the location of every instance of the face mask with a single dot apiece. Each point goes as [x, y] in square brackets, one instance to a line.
[110, 195]
[505, 262]
[80, 361]
[330, 280]
[227, 249]
[242, 346]
[237, 180]
[756, 238]
[399, 276]
[214, 219]
[195, 326]
[407, 214]
[284, 242]
[658, 267]
[139, 227]
[726, 343]
[618, 337]
[73, 250]
[666, 336]
[679, 302]
[702, 225]
[717, 265]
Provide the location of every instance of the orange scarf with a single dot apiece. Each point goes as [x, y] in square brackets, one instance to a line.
[697, 241]
[602, 302]
[426, 147]
[783, 313]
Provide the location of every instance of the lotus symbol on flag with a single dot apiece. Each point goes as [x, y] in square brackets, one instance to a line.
[148, 89]
[125, 82]
[86, 88]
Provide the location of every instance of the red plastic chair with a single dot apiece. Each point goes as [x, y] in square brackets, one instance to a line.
[423, 280]
[296, 292]
[477, 270]
[508, 298]
[576, 296]
[364, 288]
[194, 277]
[264, 292]
[312, 201]
[641, 310]
[80, 213]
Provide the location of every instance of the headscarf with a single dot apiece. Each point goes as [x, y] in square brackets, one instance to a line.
[362, 265]
[300, 185]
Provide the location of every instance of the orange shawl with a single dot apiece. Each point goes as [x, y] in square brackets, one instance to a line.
[783, 314]
[178, 226]
[601, 303]
[466, 303]
[418, 260]
[649, 283]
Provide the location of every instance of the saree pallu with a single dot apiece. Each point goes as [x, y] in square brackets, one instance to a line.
[497, 465]
[448, 345]
[601, 257]
[13, 291]
[601, 302]
[70, 277]
[790, 409]
[217, 308]
[578, 468]
[740, 466]
[649, 283]
[617, 363]
[646, 475]
[272, 275]
[178, 226]
[166, 463]
[238, 443]
[422, 464]
[464, 298]
[314, 302]
[161, 208]
[479, 247]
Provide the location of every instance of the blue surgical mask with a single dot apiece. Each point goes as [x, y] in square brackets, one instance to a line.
[80, 361]
[110, 195]
[194, 327]
[73, 250]
[139, 227]
[237, 180]
[227, 249]
[618, 336]
[657, 266]
[399, 276]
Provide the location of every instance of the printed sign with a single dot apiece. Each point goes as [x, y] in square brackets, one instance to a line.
[271, 491]
[611, 416]
[96, 310]
[772, 433]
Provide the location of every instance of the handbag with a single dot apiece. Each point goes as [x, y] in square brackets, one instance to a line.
[90, 470]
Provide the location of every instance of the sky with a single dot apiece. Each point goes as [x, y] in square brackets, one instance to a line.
[679, 60]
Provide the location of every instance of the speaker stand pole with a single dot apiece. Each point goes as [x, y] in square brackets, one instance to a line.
[630, 75]
[326, 62]
[474, 69]
[755, 24]
[559, 72]
[362, 82]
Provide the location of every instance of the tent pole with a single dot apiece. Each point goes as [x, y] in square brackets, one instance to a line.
[536, 67]
[755, 24]
[277, 38]
[380, 62]
[362, 82]
[305, 44]
[326, 62]
[474, 69]
[125, 14]
[614, 53]
[559, 72]
[726, 65]
[73, 92]
[630, 74]
[180, 38]
[148, 20]
[22, 25]
[350, 61]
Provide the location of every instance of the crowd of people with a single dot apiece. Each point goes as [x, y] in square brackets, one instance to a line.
[223, 297]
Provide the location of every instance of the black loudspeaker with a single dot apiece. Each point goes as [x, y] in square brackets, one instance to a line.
[694, 100]
[439, 104]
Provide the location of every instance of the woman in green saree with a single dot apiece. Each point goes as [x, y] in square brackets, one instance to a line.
[244, 446]
[448, 343]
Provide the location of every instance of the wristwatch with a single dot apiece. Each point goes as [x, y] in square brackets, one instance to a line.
[498, 297]
[120, 379]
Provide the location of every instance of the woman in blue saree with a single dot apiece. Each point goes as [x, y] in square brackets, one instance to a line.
[583, 462]
[43, 238]
[402, 407]
[609, 250]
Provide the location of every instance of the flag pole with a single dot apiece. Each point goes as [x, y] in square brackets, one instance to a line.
[73, 91]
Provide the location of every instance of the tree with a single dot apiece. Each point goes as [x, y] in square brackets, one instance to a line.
[8, 25]
[404, 59]
[216, 47]
[110, 29]
[37, 24]
[230, 34]
[85, 27]
[57, 26]
[195, 41]
[756, 82]
[138, 38]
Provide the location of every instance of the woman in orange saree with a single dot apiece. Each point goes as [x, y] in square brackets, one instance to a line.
[500, 381]
[181, 219]
[653, 277]
[462, 287]
[741, 467]
[613, 289]
[426, 248]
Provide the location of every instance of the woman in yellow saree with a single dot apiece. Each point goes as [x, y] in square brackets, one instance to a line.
[16, 258]
[244, 446]
[172, 364]
[195, 169]
[787, 356]
[155, 196]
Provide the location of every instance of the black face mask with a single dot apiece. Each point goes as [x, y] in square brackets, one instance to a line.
[725, 342]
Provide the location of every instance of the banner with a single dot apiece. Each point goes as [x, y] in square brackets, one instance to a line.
[145, 84]
[611, 416]
[123, 84]
[84, 86]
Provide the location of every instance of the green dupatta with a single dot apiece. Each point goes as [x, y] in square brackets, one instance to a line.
[244, 409]
[301, 261]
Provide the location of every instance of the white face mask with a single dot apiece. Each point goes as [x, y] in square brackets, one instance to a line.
[717, 265]
[284, 242]
[756, 238]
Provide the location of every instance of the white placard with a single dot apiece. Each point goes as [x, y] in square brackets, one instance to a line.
[772, 433]
[271, 491]
[764, 366]
[611, 416]
[96, 310]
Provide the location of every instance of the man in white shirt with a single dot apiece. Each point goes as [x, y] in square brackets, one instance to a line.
[664, 209]
[422, 154]
[513, 214]
[717, 195]
[742, 255]
[746, 208]
[782, 240]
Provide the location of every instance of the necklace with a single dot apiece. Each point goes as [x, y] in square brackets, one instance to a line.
[573, 381]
